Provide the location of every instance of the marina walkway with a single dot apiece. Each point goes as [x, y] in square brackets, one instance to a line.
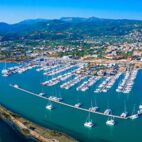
[68, 105]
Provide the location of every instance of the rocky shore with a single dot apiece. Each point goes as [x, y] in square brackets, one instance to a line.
[30, 130]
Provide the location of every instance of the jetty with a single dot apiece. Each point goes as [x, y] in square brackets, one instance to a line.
[69, 105]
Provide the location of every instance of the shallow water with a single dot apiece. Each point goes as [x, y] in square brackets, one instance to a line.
[69, 120]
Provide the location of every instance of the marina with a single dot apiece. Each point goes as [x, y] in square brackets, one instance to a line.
[73, 90]
[70, 71]
[127, 83]
[59, 78]
[85, 85]
[107, 84]
[72, 82]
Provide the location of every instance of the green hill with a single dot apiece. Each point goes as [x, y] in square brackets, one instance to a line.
[68, 28]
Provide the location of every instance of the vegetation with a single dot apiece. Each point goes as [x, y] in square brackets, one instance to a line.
[76, 37]
[68, 28]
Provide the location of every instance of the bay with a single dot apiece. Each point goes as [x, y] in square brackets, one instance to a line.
[69, 120]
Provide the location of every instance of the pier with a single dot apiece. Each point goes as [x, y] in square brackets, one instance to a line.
[68, 105]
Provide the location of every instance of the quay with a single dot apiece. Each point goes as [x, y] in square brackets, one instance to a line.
[68, 105]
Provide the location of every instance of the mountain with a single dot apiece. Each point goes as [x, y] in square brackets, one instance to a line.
[73, 19]
[68, 27]
[32, 21]
[4, 27]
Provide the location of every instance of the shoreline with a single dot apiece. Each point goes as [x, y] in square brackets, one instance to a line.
[30, 130]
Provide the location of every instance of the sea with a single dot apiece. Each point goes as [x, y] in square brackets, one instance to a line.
[7, 134]
[69, 120]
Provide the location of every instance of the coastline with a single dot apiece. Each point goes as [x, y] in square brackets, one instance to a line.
[30, 130]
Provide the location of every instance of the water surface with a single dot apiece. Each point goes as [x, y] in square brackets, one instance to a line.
[69, 120]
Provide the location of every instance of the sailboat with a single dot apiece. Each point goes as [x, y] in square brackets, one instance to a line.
[140, 109]
[110, 122]
[140, 106]
[120, 87]
[42, 91]
[95, 108]
[134, 115]
[77, 105]
[16, 86]
[54, 98]
[88, 123]
[41, 94]
[49, 107]
[125, 113]
[60, 96]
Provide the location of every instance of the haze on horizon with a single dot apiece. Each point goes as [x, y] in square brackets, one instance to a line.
[13, 11]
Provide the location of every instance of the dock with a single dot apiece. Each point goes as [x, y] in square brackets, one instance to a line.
[69, 105]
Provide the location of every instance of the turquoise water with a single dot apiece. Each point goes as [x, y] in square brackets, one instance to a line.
[8, 135]
[69, 120]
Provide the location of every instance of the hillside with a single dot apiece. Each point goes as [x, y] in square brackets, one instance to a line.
[68, 28]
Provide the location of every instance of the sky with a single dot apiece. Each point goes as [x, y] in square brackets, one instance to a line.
[13, 11]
